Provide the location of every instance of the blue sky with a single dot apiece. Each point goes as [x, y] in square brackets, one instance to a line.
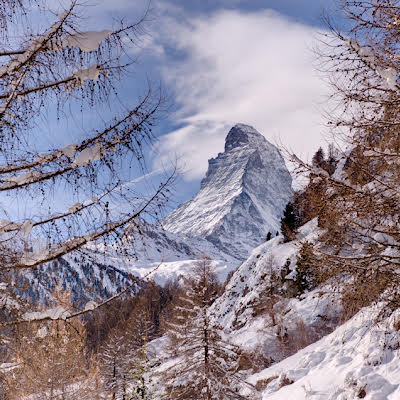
[223, 62]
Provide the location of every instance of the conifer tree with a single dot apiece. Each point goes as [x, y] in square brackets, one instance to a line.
[288, 222]
[140, 385]
[305, 277]
[123, 357]
[318, 158]
[206, 366]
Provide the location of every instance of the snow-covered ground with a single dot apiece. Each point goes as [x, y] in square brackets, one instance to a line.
[163, 256]
[360, 359]
[255, 277]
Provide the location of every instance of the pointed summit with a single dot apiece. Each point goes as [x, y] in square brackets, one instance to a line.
[242, 135]
[241, 198]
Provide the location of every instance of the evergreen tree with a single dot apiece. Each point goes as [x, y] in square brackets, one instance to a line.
[288, 222]
[305, 278]
[269, 235]
[209, 364]
[318, 158]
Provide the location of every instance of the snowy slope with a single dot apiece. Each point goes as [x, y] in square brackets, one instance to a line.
[155, 244]
[261, 309]
[306, 352]
[360, 359]
[255, 276]
[241, 198]
[162, 256]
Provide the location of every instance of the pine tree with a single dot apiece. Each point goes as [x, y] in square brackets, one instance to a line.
[269, 235]
[318, 158]
[288, 223]
[305, 277]
[206, 365]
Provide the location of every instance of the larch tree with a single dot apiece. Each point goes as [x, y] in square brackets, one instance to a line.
[71, 151]
[206, 365]
[123, 359]
[50, 363]
[360, 216]
[64, 193]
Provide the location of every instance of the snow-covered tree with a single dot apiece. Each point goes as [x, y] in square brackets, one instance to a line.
[116, 358]
[61, 190]
[206, 365]
[141, 385]
[360, 214]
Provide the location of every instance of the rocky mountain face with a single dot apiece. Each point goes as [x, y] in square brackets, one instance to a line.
[83, 279]
[241, 198]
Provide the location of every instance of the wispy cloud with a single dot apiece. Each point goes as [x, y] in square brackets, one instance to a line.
[233, 66]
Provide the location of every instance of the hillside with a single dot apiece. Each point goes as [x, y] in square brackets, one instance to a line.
[358, 360]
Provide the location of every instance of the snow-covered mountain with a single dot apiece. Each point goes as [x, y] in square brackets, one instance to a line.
[241, 198]
[163, 256]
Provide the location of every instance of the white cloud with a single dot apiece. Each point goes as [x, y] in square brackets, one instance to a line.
[191, 146]
[255, 68]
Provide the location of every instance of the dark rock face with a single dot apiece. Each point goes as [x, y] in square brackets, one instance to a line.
[84, 279]
[239, 136]
[241, 198]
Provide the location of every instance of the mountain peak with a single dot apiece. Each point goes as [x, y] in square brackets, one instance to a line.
[241, 135]
[241, 198]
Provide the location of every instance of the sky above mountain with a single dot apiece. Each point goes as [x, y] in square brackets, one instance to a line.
[222, 62]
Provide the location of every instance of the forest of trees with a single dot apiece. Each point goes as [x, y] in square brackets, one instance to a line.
[103, 350]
